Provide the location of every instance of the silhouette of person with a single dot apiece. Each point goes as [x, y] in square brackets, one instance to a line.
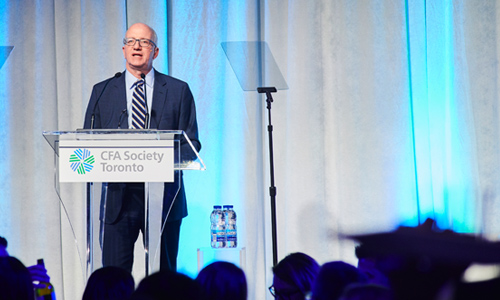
[294, 276]
[109, 283]
[167, 285]
[37, 272]
[15, 280]
[333, 278]
[222, 281]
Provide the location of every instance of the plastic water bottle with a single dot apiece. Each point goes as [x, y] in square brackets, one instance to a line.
[231, 234]
[218, 228]
[46, 291]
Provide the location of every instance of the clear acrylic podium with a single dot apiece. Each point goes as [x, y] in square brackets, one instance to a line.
[85, 161]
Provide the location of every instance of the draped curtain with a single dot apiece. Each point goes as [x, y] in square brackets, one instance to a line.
[391, 117]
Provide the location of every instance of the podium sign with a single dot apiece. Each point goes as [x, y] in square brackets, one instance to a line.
[116, 161]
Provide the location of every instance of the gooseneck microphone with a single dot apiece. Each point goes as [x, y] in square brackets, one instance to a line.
[92, 118]
[146, 124]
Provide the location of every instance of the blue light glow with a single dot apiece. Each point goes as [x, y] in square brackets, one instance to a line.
[5, 198]
[443, 178]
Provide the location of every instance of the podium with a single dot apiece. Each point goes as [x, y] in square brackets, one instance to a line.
[96, 159]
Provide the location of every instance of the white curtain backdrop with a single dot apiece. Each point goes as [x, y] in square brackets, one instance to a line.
[391, 117]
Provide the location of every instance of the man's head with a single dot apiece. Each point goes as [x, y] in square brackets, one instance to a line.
[294, 276]
[15, 280]
[140, 49]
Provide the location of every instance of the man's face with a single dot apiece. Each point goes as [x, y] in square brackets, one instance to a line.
[139, 58]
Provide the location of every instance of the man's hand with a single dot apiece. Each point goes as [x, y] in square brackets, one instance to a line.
[38, 275]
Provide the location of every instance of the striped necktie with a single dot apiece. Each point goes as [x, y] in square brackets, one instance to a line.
[138, 106]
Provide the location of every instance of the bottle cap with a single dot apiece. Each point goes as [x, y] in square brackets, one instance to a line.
[217, 206]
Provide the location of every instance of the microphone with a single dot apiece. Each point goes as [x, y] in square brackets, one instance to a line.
[146, 124]
[92, 118]
[120, 118]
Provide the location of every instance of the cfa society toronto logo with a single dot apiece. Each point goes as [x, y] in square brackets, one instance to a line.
[81, 161]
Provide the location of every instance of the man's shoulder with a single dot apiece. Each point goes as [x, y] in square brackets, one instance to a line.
[101, 84]
[169, 80]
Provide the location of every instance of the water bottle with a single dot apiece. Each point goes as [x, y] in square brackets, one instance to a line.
[218, 228]
[231, 235]
[46, 291]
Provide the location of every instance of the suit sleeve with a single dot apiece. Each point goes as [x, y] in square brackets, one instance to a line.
[188, 123]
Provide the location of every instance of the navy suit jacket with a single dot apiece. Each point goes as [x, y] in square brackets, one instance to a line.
[173, 108]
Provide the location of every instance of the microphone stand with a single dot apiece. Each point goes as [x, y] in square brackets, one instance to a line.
[146, 189]
[272, 188]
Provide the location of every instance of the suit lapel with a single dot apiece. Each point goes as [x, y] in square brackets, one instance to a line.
[159, 95]
[120, 102]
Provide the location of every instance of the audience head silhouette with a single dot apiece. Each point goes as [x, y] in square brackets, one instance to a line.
[223, 281]
[294, 276]
[15, 280]
[167, 285]
[333, 278]
[109, 283]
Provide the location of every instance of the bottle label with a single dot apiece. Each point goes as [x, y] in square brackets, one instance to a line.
[47, 290]
[231, 235]
[221, 235]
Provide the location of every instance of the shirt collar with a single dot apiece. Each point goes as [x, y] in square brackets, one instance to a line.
[131, 79]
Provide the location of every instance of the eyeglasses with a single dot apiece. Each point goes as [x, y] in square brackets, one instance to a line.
[284, 294]
[146, 43]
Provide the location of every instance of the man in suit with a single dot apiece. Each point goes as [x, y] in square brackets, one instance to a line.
[171, 107]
